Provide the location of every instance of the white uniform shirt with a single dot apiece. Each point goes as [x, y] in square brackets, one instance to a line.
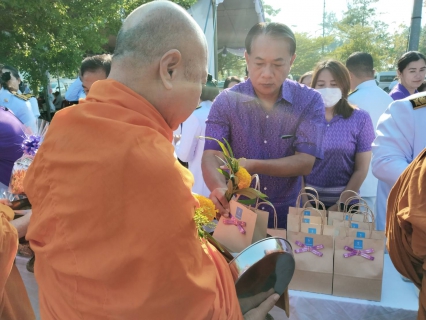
[20, 108]
[34, 105]
[190, 148]
[401, 136]
[371, 98]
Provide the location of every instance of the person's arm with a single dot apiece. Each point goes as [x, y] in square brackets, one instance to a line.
[21, 224]
[393, 146]
[292, 166]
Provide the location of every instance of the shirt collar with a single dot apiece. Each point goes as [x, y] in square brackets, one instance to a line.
[403, 89]
[286, 92]
[366, 84]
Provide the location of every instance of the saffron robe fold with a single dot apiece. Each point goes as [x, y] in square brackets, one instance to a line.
[14, 302]
[112, 226]
[406, 226]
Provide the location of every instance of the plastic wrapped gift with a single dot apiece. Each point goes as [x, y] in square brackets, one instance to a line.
[29, 146]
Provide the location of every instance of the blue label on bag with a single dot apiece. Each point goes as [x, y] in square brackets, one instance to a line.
[347, 217]
[358, 244]
[309, 241]
[354, 225]
[312, 230]
[360, 234]
[306, 213]
[306, 220]
[239, 213]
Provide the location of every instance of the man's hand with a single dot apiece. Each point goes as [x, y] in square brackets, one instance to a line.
[257, 307]
[219, 200]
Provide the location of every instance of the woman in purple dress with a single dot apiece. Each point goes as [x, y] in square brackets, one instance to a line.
[347, 137]
[411, 74]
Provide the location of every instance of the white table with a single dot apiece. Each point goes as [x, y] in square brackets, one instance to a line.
[399, 302]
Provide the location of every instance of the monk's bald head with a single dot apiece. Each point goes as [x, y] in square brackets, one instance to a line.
[153, 29]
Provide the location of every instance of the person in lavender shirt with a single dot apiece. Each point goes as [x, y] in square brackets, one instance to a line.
[11, 137]
[255, 114]
[347, 138]
[411, 74]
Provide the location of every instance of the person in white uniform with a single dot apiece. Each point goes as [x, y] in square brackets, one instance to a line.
[13, 86]
[18, 104]
[400, 138]
[368, 96]
[190, 148]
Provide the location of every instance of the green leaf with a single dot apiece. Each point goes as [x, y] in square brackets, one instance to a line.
[226, 174]
[229, 148]
[222, 146]
[247, 202]
[251, 193]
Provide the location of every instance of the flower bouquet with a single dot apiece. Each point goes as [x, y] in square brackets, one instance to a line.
[245, 224]
[29, 146]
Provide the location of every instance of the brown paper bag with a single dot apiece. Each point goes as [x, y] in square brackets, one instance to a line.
[341, 215]
[358, 264]
[313, 253]
[361, 216]
[229, 235]
[310, 214]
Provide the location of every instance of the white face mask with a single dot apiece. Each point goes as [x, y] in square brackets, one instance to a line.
[330, 96]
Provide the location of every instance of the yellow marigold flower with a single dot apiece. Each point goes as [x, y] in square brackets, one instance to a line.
[206, 208]
[244, 178]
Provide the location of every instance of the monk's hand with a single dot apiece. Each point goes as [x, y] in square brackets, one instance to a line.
[258, 306]
[220, 202]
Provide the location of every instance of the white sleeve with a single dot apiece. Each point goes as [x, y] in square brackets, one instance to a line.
[393, 146]
[191, 130]
[34, 107]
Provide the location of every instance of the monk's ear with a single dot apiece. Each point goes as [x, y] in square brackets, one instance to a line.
[169, 67]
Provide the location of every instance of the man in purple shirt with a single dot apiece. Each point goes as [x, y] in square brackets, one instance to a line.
[11, 136]
[255, 114]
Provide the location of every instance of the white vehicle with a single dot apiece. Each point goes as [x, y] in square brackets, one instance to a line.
[385, 78]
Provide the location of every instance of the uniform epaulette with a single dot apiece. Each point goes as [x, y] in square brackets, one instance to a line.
[20, 96]
[352, 92]
[197, 107]
[28, 95]
[418, 102]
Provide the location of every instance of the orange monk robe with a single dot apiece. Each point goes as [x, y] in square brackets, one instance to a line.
[112, 226]
[406, 226]
[14, 301]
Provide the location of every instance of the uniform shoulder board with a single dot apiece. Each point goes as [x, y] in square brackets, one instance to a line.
[21, 96]
[418, 102]
[28, 95]
[353, 92]
[197, 107]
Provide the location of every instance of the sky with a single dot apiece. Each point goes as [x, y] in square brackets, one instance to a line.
[306, 15]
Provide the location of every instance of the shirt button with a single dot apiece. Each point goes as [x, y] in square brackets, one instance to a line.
[267, 117]
[328, 125]
[265, 188]
[265, 141]
[263, 208]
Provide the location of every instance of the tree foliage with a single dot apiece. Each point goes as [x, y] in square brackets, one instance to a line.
[42, 35]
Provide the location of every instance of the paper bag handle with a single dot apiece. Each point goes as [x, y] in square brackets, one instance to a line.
[368, 212]
[309, 188]
[348, 200]
[273, 208]
[347, 191]
[305, 194]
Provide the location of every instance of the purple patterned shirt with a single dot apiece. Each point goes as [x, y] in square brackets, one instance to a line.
[343, 139]
[399, 92]
[255, 133]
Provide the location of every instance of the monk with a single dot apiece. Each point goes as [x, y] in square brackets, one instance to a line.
[112, 226]
[406, 226]
[14, 301]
